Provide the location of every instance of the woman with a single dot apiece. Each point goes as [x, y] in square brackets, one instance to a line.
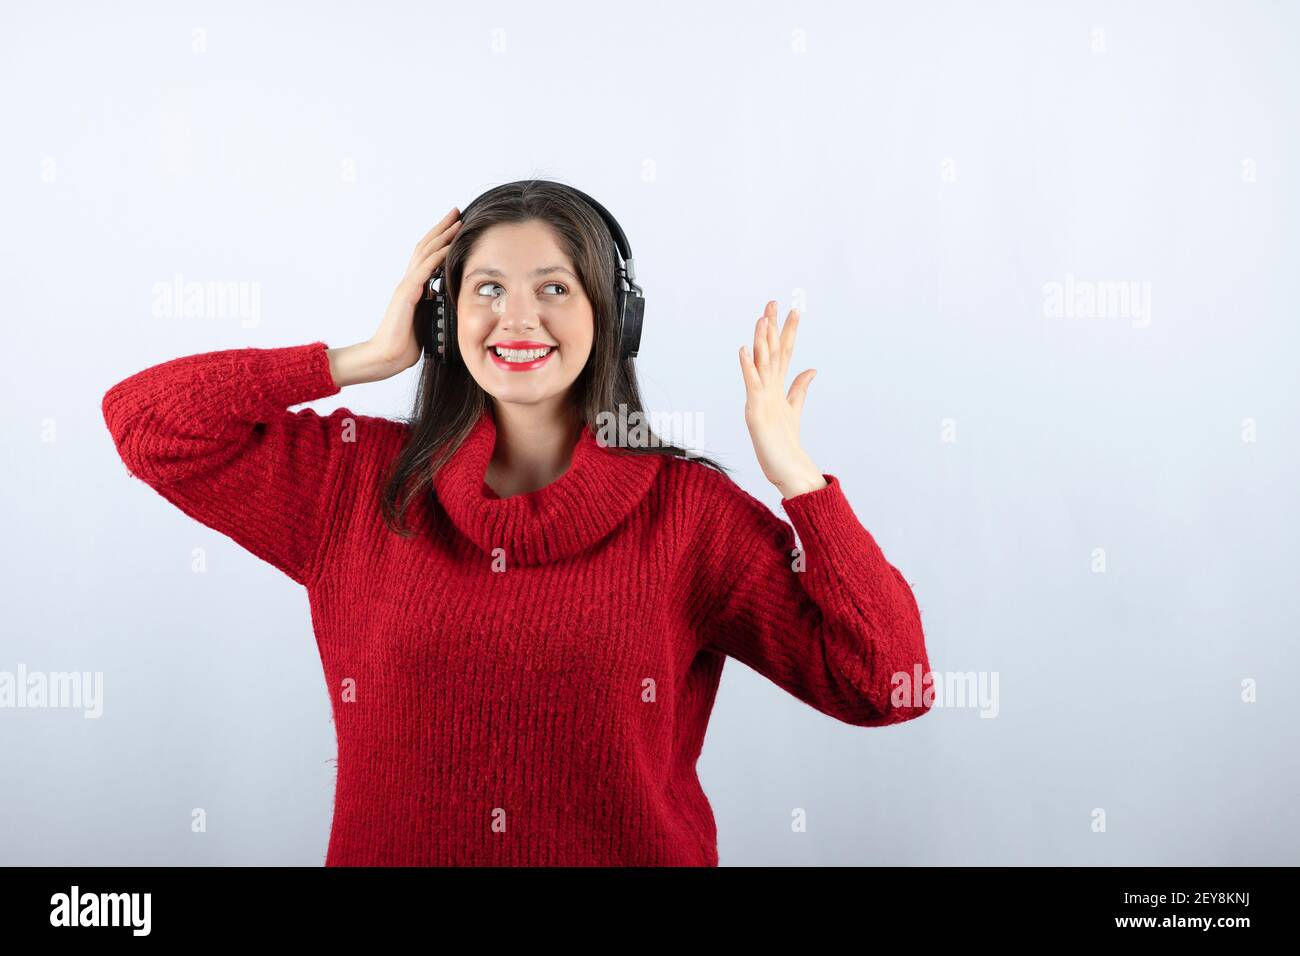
[522, 629]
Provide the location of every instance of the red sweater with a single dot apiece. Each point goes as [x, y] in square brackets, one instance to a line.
[527, 680]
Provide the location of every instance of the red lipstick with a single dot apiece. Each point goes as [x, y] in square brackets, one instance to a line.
[520, 346]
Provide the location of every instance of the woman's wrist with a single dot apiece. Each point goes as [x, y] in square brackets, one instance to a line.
[809, 478]
[357, 364]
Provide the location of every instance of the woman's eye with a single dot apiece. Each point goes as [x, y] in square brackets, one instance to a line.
[560, 285]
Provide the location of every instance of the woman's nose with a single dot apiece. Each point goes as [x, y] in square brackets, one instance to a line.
[515, 311]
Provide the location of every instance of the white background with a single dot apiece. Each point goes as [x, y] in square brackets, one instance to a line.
[913, 174]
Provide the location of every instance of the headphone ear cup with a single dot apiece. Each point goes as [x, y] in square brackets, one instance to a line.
[440, 330]
[631, 310]
[447, 333]
[425, 309]
[435, 322]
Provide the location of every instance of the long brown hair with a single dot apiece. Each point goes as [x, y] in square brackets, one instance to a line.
[449, 402]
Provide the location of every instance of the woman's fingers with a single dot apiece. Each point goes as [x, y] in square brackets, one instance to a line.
[436, 240]
[752, 380]
[799, 389]
[439, 226]
[773, 349]
[788, 334]
[773, 341]
[760, 346]
[420, 270]
[424, 268]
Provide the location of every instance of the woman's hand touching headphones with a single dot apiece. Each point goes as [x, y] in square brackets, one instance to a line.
[394, 347]
[772, 414]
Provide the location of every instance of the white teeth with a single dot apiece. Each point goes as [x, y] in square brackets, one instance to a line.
[521, 355]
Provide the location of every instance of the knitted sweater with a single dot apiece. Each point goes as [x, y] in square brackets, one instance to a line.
[528, 680]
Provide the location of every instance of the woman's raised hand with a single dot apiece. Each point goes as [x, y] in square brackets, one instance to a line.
[394, 347]
[771, 413]
[395, 339]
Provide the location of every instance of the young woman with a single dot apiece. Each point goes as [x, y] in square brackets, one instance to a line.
[522, 628]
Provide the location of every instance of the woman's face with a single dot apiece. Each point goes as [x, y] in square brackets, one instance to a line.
[524, 324]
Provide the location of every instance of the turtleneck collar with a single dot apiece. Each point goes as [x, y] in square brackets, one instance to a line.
[600, 488]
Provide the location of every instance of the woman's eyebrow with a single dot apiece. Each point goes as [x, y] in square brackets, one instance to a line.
[544, 270]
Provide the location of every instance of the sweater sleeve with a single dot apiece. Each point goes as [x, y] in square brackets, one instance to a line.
[213, 435]
[840, 630]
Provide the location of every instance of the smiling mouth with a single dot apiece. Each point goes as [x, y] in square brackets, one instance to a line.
[520, 360]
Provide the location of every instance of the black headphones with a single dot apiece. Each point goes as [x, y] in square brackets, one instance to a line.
[629, 305]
